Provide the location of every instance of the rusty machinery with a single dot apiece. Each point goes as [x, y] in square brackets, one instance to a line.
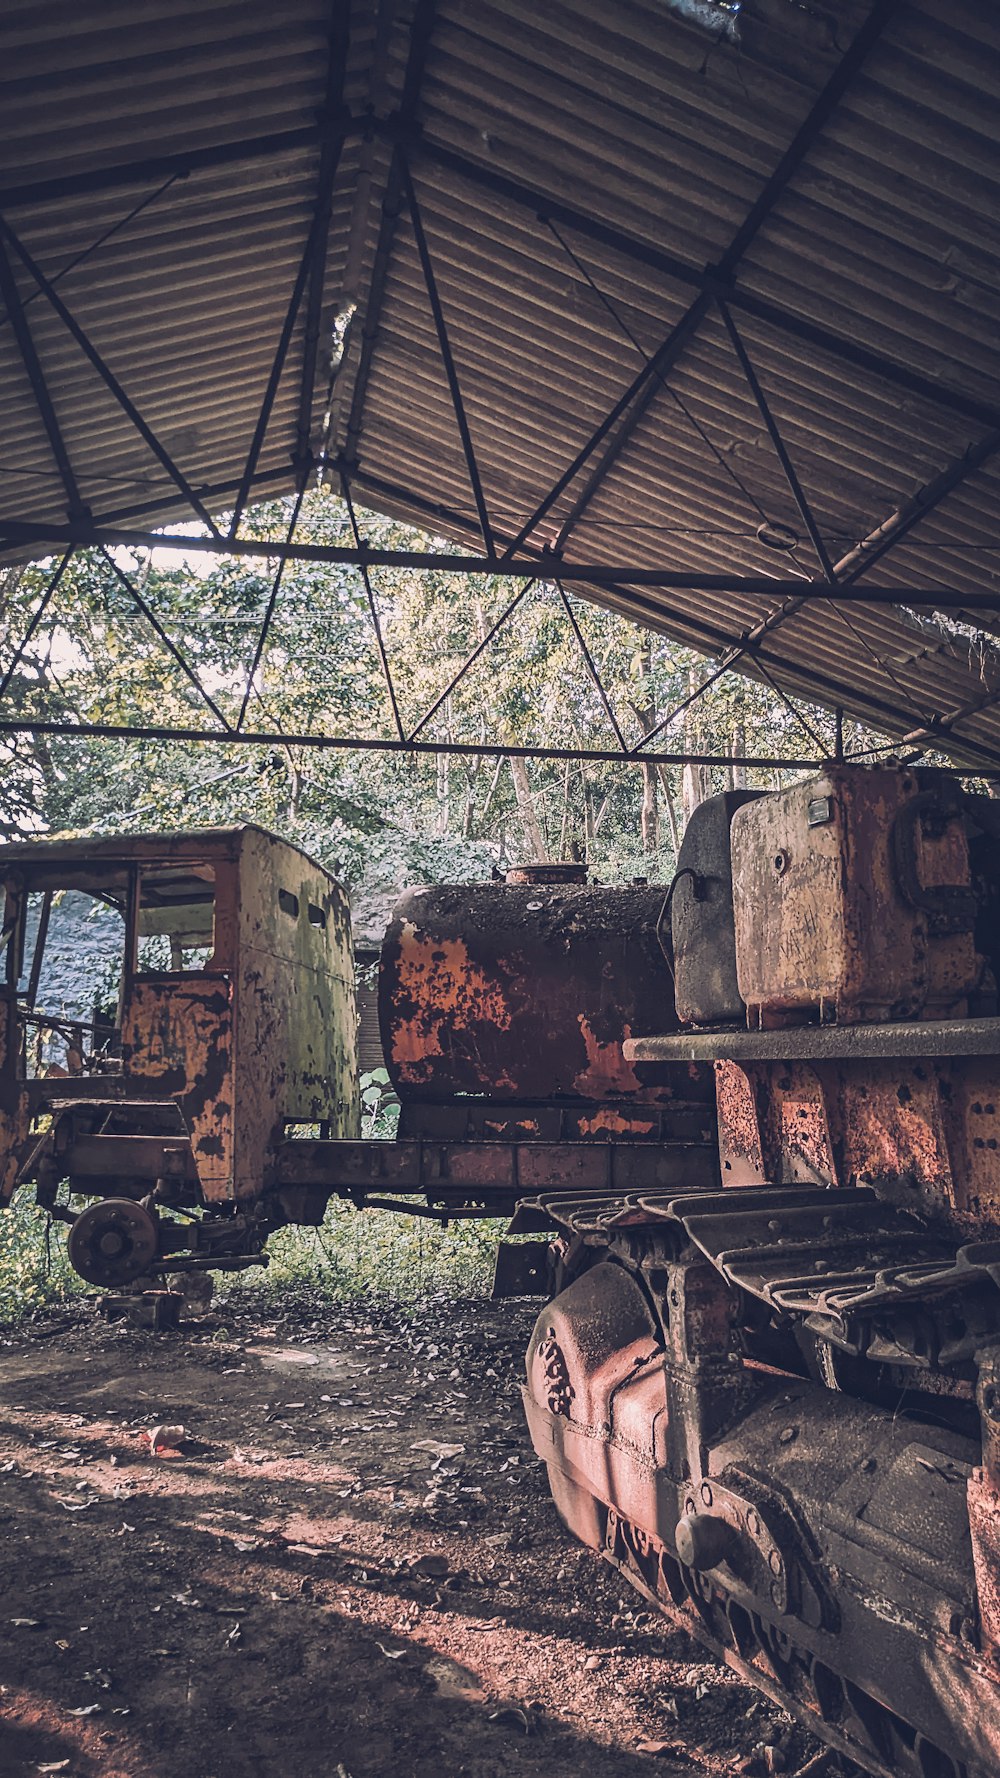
[767, 1382]
[203, 1091]
[774, 1404]
[217, 1021]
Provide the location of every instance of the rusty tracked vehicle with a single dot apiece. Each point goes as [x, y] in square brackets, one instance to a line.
[774, 1404]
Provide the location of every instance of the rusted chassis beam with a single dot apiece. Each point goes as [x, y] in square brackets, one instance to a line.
[306, 1174]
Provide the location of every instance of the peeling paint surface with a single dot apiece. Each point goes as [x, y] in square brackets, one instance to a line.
[526, 992]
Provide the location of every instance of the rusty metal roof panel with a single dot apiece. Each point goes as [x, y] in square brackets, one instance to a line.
[587, 175]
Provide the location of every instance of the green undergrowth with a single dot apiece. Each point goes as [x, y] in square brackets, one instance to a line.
[356, 1254]
[375, 1253]
[35, 1273]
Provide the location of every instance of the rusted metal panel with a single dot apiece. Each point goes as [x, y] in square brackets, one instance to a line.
[180, 1040]
[854, 900]
[458, 1172]
[525, 993]
[236, 1003]
[296, 1043]
[924, 1133]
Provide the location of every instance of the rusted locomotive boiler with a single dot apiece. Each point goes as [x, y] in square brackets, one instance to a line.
[775, 1405]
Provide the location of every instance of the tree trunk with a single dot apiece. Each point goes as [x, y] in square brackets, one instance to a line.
[533, 838]
[650, 811]
[738, 773]
[668, 798]
[694, 778]
[644, 711]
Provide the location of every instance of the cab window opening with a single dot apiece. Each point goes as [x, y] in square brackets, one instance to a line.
[175, 920]
[66, 966]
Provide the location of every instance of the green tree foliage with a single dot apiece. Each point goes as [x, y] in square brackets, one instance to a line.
[381, 818]
[377, 820]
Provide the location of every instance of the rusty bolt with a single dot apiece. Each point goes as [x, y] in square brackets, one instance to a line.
[787, 1434]
[774, 1562]
[753, 1523]
[706, 1493]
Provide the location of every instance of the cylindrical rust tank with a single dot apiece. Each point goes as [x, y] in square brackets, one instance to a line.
[523, 991]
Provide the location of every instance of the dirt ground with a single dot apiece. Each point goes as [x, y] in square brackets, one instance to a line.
[352, 1570]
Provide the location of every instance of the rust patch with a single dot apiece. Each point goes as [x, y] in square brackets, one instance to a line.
[447, 993]
[608, 1122]
[607, 1074]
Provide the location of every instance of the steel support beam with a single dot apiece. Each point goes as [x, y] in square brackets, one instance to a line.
[618, 576]
[114, 228]
[39, 612]
[11, 296]
[269, 610]
[169, 644]
[592, 667]
[448, 360]
[309, 267]
[373, 608]
[726, 267]
[788, 468]
[163, 166]
[783, 321]
[884, 537]
[366, 744]
[401, 125]
[329, 160]
[471, 659]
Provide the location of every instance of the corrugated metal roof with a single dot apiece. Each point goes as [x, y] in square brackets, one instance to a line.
[586, 175]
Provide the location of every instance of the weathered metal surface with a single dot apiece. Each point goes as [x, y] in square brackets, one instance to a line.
[498, 1172]
[236, 1010]
[819, 1543]
[809, 1043]
[522, 1269]
[112, 1242]
[526, 993]
[926, 1133]
[854, 900]
[483, 1119]
[702, 921]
